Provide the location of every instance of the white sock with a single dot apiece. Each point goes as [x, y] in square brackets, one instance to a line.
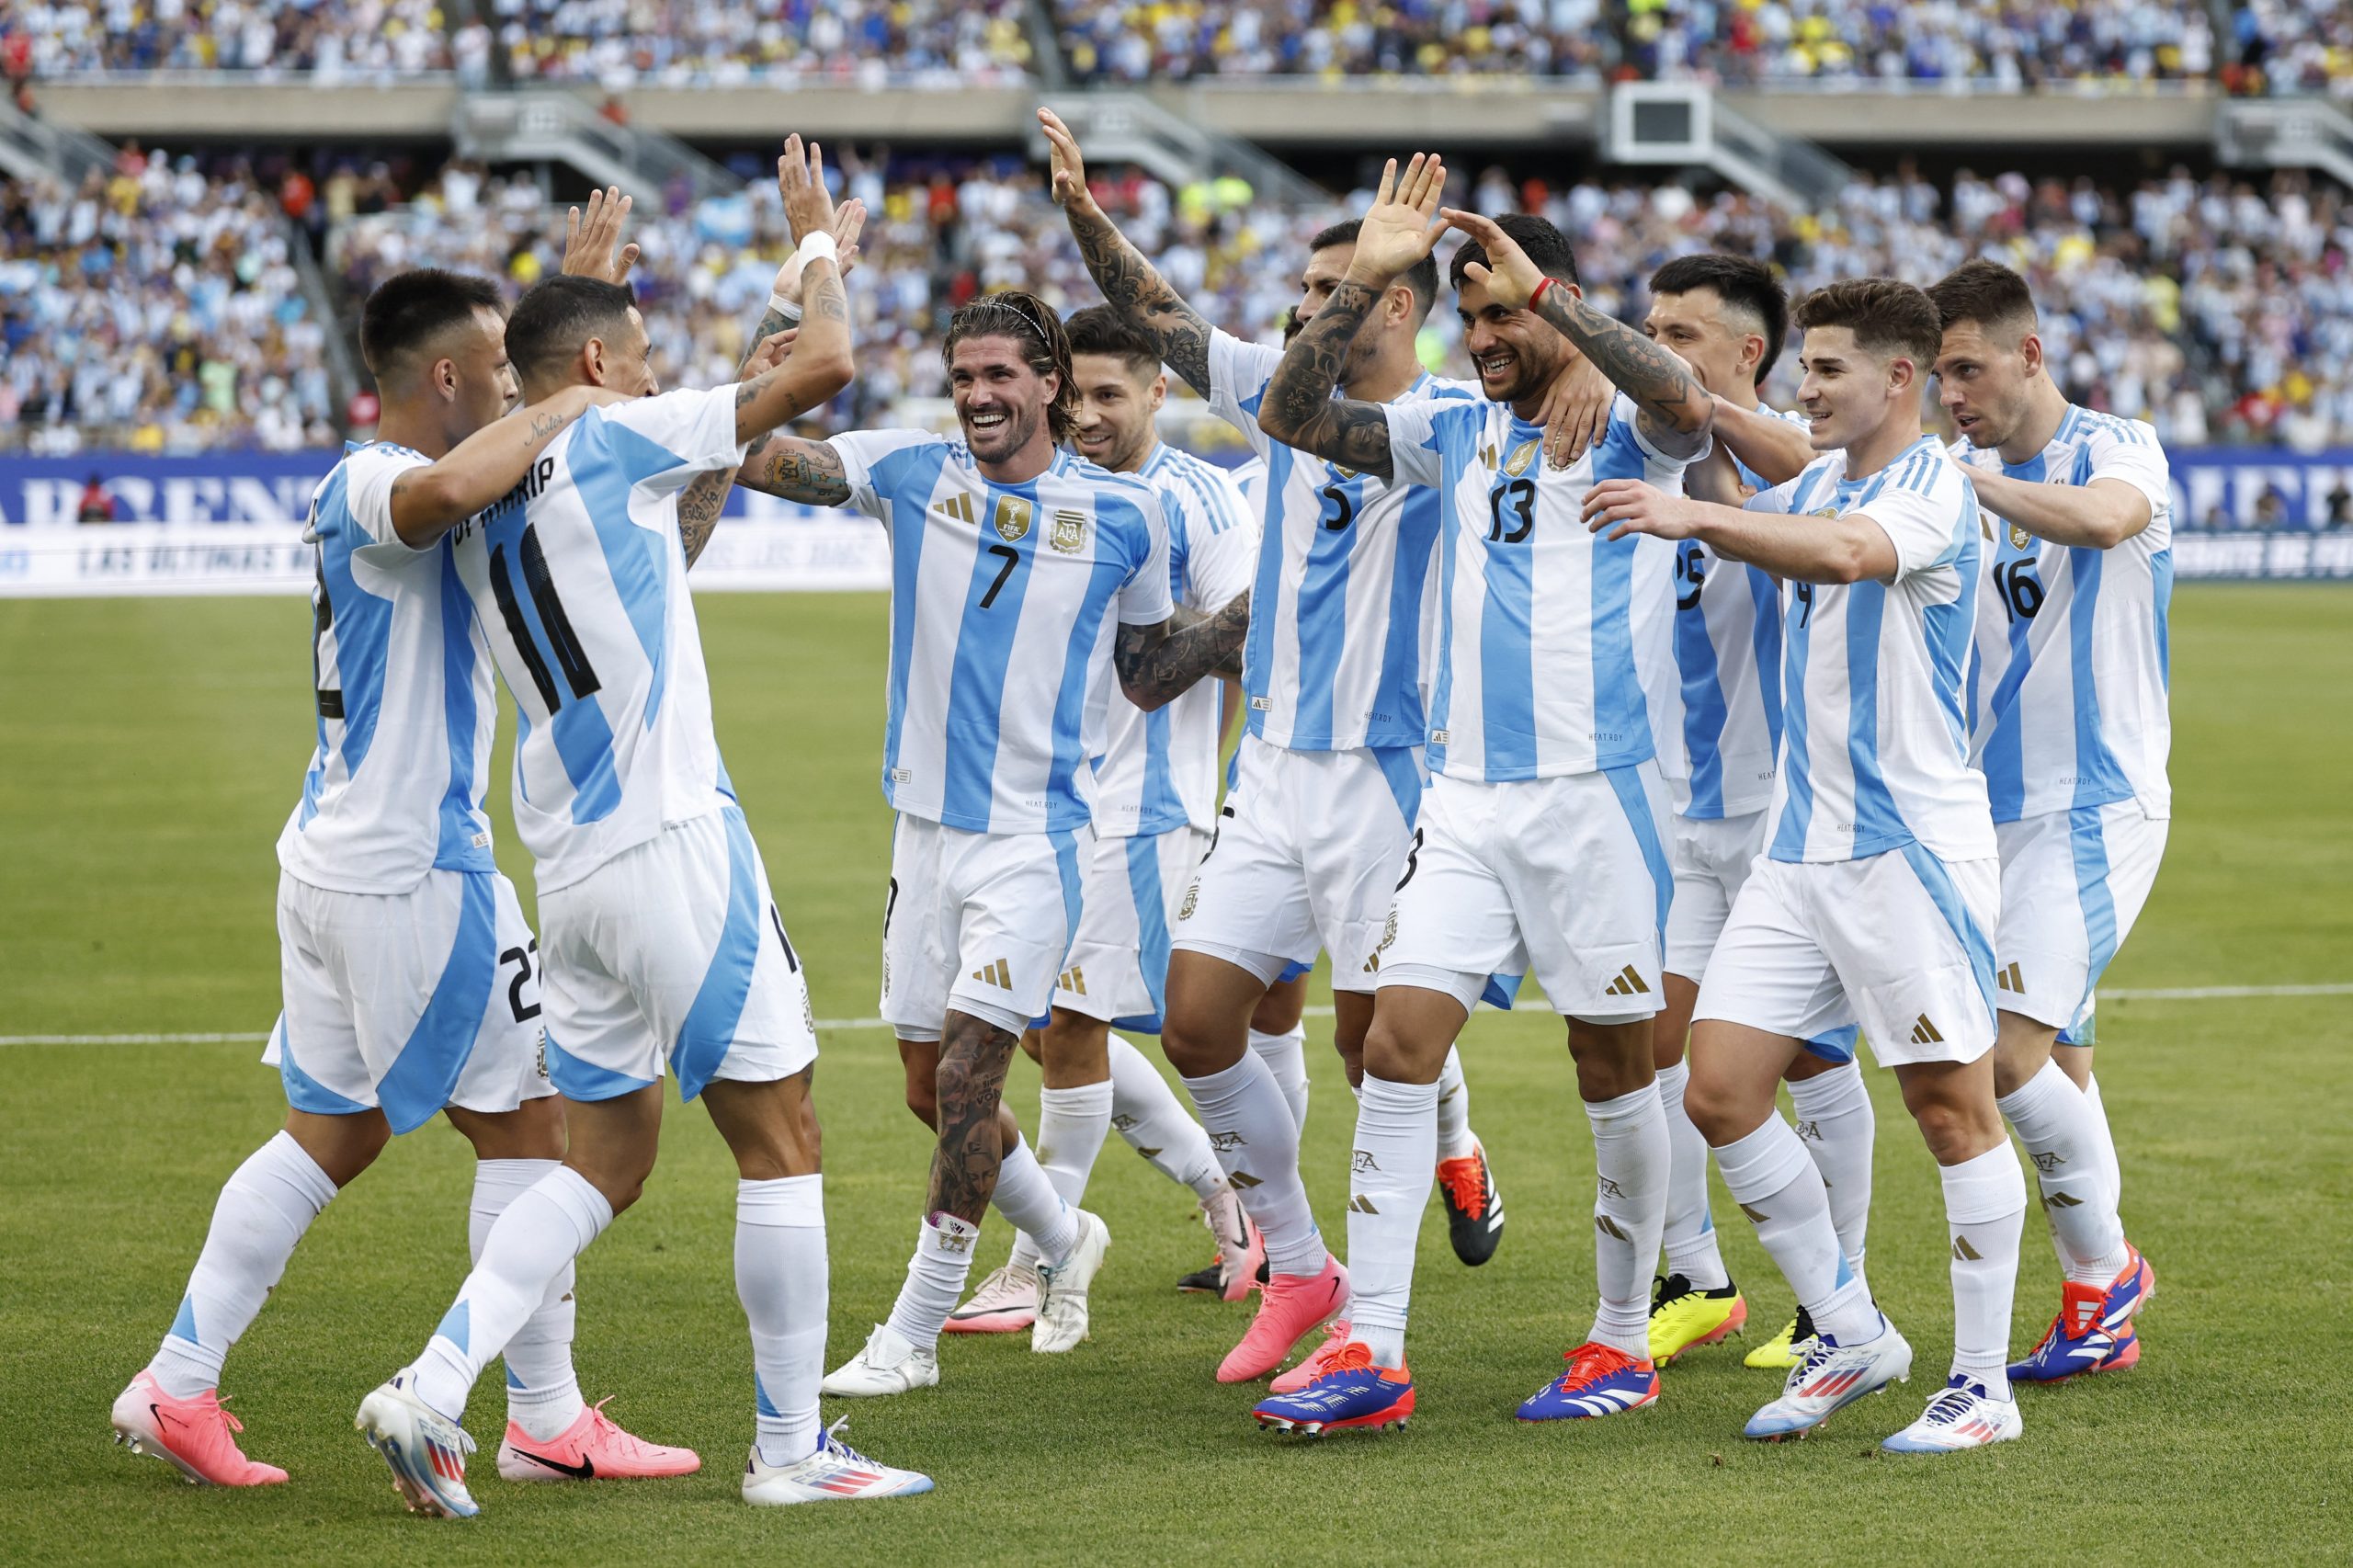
[265, 1206]
[1146, 1112]
[782, 1278]
[1025, 1196]
[1285, 1055]
[2054, 1121]
[1689, 1232]
[1071, 1125]
[1631, 1160]
[1839, 1130]
[1454, 1139]
[935, 1278]
[1395, 1166]
[533, 1242]
[542, 1392]
[2106, 1145]
[1777, 1185]
[1256, 1141]
[1985, 1212]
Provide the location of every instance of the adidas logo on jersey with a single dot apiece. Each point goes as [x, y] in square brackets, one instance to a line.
[1628, 983]
[2010, 979]
[955, 508]
[1072, 980]
[996, 972]
[1926, 1033]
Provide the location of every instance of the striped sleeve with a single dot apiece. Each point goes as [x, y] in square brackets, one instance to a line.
[2126, 449]
[1919, 509]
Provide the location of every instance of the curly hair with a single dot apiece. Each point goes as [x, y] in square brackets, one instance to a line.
[1044, 346]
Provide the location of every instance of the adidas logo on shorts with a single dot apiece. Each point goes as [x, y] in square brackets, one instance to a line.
[1926, 1033]
[996, 972]
[2008, 978]
[1628, 983]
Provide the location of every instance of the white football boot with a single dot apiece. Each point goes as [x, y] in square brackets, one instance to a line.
[1962, 1415]
[887, 1365]
[834, 1473]
[1062, 1295]
[1832, 1376]
[426, 1449]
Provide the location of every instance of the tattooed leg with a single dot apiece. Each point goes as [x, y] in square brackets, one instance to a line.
[974, 1135]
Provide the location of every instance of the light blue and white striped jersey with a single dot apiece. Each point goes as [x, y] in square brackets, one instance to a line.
[579, 581]
[1542, 623]
[2070, 686]
[1158, 772]
[1345, 561]
[403, 694]
[1250, 477]
[1874, 733]
[1728, 652]
[1004, 602]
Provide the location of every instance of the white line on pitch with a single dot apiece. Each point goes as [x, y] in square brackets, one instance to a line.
[847, 1026]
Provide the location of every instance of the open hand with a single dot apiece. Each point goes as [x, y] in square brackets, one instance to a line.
[1630, 507]
[1069, 166]
[849, 221]
[1401, 225]
[592, 246]
[1509, 278]
[801, 180]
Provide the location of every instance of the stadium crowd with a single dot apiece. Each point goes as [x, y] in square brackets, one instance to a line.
[156, 309]
[2269, 45]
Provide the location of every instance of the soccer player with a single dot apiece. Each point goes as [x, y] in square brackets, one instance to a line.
[1329, 775]
[1155, 803]
[1022, 579]
[408, 970]
[1725, 316]
[2072, 731]
[1542, 841]
[1879, 887]
[665, 952]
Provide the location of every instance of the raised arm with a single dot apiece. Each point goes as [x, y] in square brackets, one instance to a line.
[427, 502]
[1675, 410]
[1158, 663]
[819, 366]
[701, 502]
[1132, 286]
[1299, 409]
[1849, 549]
[2099, 516]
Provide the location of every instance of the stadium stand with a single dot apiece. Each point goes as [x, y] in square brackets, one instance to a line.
[156, 310]
[620, 43]
[2218, 311]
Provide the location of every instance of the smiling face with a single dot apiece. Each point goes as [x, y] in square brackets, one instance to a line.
[1985, 379]
[1722, 352]
[1515, 354]
[1000, 402]
[1848, 391]
[1116, 404]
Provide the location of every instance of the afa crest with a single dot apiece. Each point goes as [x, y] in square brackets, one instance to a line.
[1192, 899]
[1068, 534]
[1013, 516]
[2020, 538]
[1522, 455]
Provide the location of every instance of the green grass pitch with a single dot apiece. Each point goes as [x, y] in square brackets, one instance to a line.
[149, 751]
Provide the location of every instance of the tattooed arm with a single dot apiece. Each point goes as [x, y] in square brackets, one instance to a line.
[1676, 411]
[1130, 283]
[1160, 663]
[1300, 410]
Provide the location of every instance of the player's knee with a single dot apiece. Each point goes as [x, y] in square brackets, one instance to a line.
[1956, 1130]
[1717, 1108]
[923, 1098]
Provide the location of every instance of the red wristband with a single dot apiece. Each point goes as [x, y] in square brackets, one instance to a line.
[1538, 295]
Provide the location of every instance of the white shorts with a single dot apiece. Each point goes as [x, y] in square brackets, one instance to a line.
[2073, 883]
[1566, 878]
[1118, 968]
[1309, 848]
[1710, 860]
[407, 1002]
[979, 923]
[671, 956]
[1899, 942]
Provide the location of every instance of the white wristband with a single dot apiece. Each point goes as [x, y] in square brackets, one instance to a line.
[819, 244]
[783, 307]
